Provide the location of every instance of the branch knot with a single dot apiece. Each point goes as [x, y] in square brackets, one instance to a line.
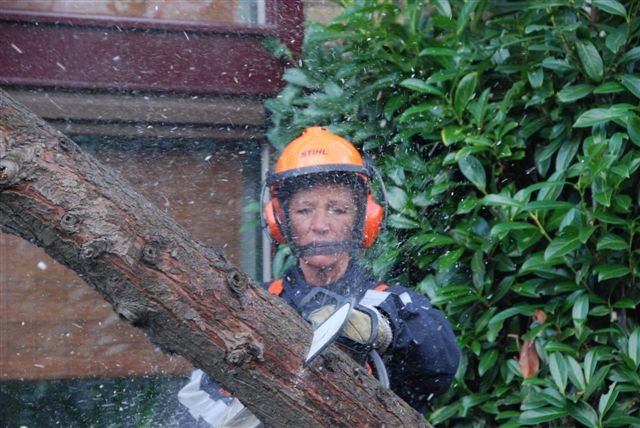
[95, 248]
[245, 348]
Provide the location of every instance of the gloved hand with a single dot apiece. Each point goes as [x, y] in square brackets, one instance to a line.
[358, 326]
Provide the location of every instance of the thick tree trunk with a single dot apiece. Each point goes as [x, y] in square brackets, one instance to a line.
[186, 297]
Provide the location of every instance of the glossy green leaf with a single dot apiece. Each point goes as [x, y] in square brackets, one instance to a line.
[631, 82]
[632, 55]
[547, 205]
[610, 271]
[536, 77]
[611, 6]
[545, 414]
[449, 258]
[501, 201]
[478, 109]
[464, 91]
[397, 198]
[543, 187]
[555, 64]
[537, 262]
[608, 88]
[566, 154]
[590, 363]
[622, 421]
[597, 116]
[590, 59]
[464, 16]
[617, 38]
[443, 413]
[561, 246]
[580, 309]
[553, 346]
[452, 134]
[401, 222]
[421, 86]
[442, 76]
[558, 368]
[633, 129]
[584, 414]
[575, 372]
[443, 7]
[431, 240]
[473, 400]
[300, 78]
[478, 270]
[393, 105]
[437, 52]
[633, 348]
[500, 230]
[609, 218]
[584, 233]
[607, 400]
[507, 415]
[625, 303]
[611, 241]
[574, 93]
[596, 381]
[553, 397]
[487, 361]
[508, 313]
[473, 170]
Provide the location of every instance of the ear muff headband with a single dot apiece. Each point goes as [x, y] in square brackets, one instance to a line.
[272, 223]
[372, 221]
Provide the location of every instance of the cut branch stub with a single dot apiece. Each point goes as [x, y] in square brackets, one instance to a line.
[151, 253]
[70, 223]
[8, 170]
[94, 248]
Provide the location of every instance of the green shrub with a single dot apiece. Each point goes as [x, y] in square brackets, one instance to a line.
[508, 134]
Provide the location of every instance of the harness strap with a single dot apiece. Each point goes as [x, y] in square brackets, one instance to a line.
[276, 287]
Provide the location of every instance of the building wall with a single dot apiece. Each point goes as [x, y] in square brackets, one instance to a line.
[320, 10]
[195, 155]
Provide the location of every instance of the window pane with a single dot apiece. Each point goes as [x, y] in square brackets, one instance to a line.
[227, 11]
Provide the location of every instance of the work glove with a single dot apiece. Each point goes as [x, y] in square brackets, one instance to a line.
[358, 326]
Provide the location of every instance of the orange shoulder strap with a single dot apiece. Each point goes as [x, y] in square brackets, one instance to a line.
[381, 287]
[276, 287]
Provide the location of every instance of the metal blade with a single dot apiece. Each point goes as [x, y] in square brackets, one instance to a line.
[328, 331]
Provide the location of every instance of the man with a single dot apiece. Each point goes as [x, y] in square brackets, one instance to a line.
[322, 206]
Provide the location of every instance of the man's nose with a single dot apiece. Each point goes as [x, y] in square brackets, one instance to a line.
[320, 222]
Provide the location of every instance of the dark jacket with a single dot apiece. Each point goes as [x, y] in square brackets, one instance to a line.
[423, 356]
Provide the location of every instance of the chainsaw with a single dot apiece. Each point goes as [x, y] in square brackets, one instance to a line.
[330, 331]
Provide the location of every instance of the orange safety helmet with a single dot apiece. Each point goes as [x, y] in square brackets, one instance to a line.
[316, 153]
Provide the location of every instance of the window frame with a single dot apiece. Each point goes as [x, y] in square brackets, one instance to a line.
[241, 67]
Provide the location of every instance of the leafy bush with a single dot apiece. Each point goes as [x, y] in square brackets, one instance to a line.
[509, 134]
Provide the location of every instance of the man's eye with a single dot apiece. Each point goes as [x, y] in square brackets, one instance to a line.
[337, 211]
[303, 211]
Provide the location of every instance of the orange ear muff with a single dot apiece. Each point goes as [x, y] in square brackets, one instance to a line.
[372, 221]
[272, 223]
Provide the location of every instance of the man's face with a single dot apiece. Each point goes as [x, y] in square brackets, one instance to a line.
[322, 213]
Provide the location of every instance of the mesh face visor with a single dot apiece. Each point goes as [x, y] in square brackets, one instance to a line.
[356, 184]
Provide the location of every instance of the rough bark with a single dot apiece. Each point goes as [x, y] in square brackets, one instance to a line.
[185, 296]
